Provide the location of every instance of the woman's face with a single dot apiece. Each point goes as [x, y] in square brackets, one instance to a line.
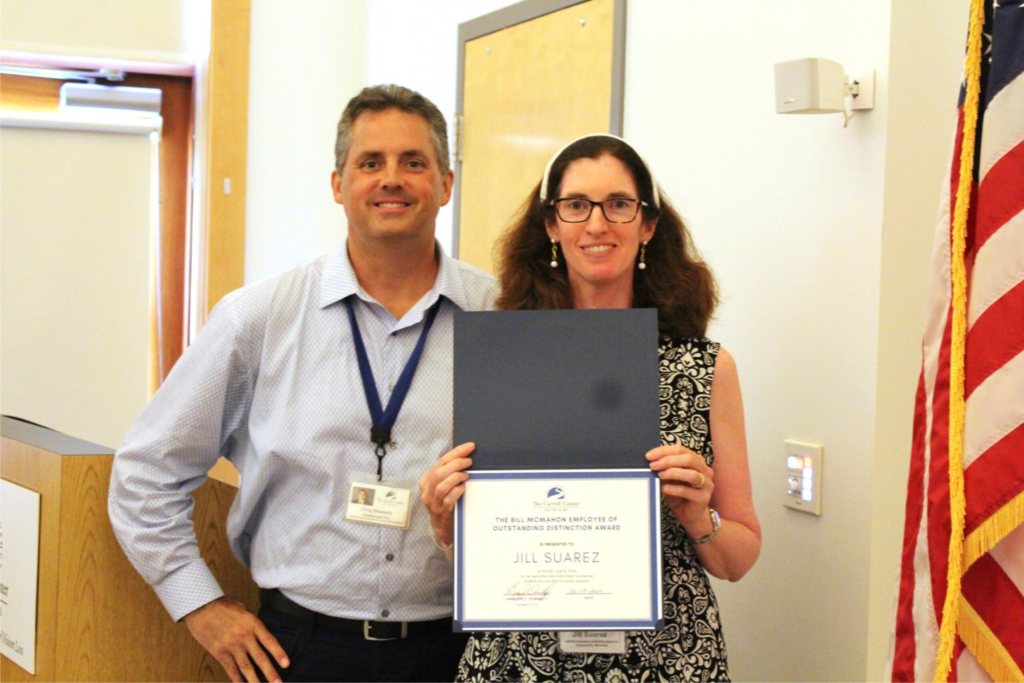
[600, 255]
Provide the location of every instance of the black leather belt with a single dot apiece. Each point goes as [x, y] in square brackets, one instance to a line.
[370, 630]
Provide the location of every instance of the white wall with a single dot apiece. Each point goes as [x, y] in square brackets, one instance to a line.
[788, 211]
[307, 59]
[415, 44]
[130, 29]
[337, 48]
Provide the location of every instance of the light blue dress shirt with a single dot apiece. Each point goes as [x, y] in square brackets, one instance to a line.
[272, 383]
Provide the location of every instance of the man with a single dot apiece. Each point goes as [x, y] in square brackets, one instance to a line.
[282, 382]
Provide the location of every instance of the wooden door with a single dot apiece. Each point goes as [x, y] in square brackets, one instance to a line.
[527, 90]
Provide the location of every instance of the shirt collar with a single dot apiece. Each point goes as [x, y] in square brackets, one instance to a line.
[339, 280]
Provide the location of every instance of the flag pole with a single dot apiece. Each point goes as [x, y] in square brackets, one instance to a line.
[957, 503]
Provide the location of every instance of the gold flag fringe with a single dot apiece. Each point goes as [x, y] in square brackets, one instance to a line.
[986, 647]
[993, 530]
[957, 504]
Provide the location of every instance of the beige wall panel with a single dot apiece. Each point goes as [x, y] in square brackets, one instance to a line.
[153, 29]
[528, 90]
[227, 147]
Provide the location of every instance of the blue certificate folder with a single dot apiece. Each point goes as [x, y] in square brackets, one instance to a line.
[570, 389]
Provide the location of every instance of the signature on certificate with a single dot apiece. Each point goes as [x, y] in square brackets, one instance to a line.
[530, 588]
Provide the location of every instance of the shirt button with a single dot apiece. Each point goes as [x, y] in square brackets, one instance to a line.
[389, 557]
[385, 613]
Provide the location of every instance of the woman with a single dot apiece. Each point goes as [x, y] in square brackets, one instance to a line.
[595, 233]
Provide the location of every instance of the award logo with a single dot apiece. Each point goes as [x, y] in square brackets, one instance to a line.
[555, 499]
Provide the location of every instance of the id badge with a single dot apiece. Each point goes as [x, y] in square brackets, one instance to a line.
[380, 503]
[593, 642]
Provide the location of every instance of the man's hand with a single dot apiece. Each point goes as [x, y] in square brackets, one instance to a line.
[234, 637]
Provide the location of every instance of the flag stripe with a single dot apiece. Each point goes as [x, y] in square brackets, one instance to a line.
[994, 339]
[968, 668]
[1008, 553]
[999, 665]
[1000, 195]
[994, 480]
[995, 409]
[925, 617]
[905, 648]
[998, 602]
[939, 522]
[998, 267]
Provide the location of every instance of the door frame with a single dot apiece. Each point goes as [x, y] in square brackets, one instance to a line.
[517, 14]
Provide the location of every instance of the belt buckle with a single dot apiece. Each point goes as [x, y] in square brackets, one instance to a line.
[367, 636]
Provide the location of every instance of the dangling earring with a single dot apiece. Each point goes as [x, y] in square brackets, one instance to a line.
[643, 248]
[554, 254]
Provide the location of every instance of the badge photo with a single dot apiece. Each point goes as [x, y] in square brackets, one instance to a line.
[378, 504]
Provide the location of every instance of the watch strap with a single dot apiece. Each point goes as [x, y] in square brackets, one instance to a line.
[716, 526]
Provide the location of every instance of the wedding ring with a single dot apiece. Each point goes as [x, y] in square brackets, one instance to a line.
[702, 480]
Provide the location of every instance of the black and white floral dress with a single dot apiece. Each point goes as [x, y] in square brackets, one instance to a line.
[691, 647]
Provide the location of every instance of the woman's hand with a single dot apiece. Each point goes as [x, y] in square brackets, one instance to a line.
[687, 482]
[442, 486]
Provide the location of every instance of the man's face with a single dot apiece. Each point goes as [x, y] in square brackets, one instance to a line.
[362, 496]
[391, 184]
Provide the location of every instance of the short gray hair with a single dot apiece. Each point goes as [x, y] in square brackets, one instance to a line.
[381, 97]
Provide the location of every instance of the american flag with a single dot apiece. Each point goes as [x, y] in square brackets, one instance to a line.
[988, 609]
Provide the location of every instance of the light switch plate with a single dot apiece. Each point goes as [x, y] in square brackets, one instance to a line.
[803, 464]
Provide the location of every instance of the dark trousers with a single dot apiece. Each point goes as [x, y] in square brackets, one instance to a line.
[319, 653]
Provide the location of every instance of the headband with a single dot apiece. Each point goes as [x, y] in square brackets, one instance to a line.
[547, 171]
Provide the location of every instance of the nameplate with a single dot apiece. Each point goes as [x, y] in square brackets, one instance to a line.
[19, 569]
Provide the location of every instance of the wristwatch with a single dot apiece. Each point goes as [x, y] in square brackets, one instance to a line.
[716, 526]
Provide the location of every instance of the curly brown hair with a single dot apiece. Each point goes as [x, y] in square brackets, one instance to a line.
[676, 280]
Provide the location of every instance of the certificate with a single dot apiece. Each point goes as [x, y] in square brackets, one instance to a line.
[558, 550]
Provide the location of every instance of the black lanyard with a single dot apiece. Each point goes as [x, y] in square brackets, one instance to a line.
[383, 420]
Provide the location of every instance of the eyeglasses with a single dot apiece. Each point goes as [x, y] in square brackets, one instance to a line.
[578, 210]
